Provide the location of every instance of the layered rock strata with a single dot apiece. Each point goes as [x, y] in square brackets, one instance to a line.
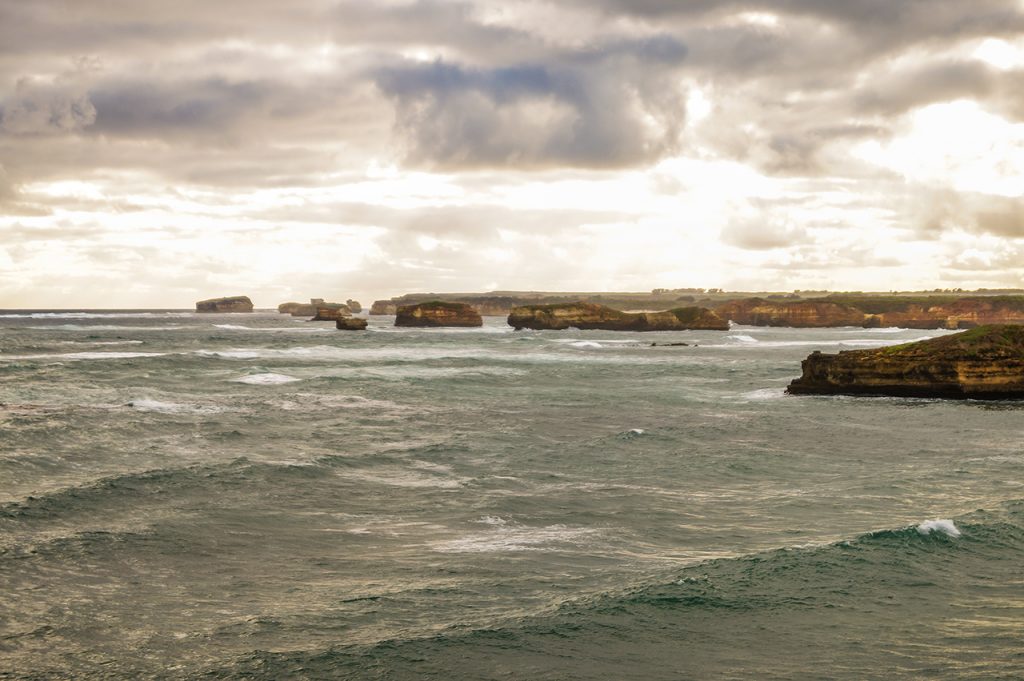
[801, 314]
[592, 316]
[438, 313]
[329, 312]
[983, 363]
[228, 304]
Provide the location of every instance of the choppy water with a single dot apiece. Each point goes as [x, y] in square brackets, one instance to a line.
[254, 496]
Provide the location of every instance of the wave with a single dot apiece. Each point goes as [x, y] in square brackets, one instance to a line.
[895, 604]
[73, 356]
[266, 378]
[274, 329]
[172, 407]
[109, 327]
[93, 315]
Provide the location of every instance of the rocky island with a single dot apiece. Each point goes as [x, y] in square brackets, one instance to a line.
[582, 315]
[438, 313]
[351, 323]
[229, 304]
[983, 363]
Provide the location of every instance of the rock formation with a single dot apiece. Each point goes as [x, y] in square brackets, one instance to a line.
[229, 304]
[329, 312]
[942, 312]
[983, 363]
[288, 308]
[803, 313]
[354, 306]
[438, 313]
[383, 307]
[592, 316]
[351, 323]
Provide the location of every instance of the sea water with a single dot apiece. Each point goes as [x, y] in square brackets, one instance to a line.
[258, 496]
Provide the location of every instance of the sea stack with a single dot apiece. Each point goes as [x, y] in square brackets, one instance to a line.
[351, 323]
[438, 313]
[229, 304]
[985, 363]
[329, 312]
[582, 315]
[354, 305]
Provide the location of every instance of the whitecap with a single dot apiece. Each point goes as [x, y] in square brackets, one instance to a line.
[939, 525]
[764, 394]
[170, 407]
[505, 537]
[265, 379]
[743, 338]
[585, 344]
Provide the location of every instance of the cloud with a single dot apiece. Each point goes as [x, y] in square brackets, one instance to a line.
[40, 108]
[762, 233]
[612, 105]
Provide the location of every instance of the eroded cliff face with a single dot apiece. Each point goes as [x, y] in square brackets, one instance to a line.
[965, 313]
[801, 314]
[229, 304]
[437, 313]
[983, 363]
[592, 316]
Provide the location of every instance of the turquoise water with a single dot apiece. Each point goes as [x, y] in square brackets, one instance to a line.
[254, 496]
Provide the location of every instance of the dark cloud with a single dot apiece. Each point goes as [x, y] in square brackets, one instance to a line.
[39, 108]
[605, 106]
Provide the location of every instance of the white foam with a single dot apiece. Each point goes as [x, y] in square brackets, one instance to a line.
[764, 394]
[96, 315]
[266, 379]
[507, 537]
[170, 407]
[637, 431]
[743, 338]
[939, 525]
[273, 329]
[106, 327]
[585, 344]
[84, 355]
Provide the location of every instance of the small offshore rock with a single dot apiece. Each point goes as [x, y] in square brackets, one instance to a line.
[351, 323]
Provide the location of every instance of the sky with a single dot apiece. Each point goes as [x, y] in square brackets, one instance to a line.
[154, 153]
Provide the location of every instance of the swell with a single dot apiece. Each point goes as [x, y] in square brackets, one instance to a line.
[147, 487]
[896, 603]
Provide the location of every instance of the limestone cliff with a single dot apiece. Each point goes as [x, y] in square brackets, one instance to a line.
[592, 316]
[354, 306]
[438, 313]
[983, 363]
[946, 313]
[229, 304]
[802, 313]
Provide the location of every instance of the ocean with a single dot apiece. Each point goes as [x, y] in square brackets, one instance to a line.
[254, 496]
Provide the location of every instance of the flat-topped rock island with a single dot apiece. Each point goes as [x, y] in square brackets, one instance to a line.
[582, 315]
[986, 363]
[228, 304]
